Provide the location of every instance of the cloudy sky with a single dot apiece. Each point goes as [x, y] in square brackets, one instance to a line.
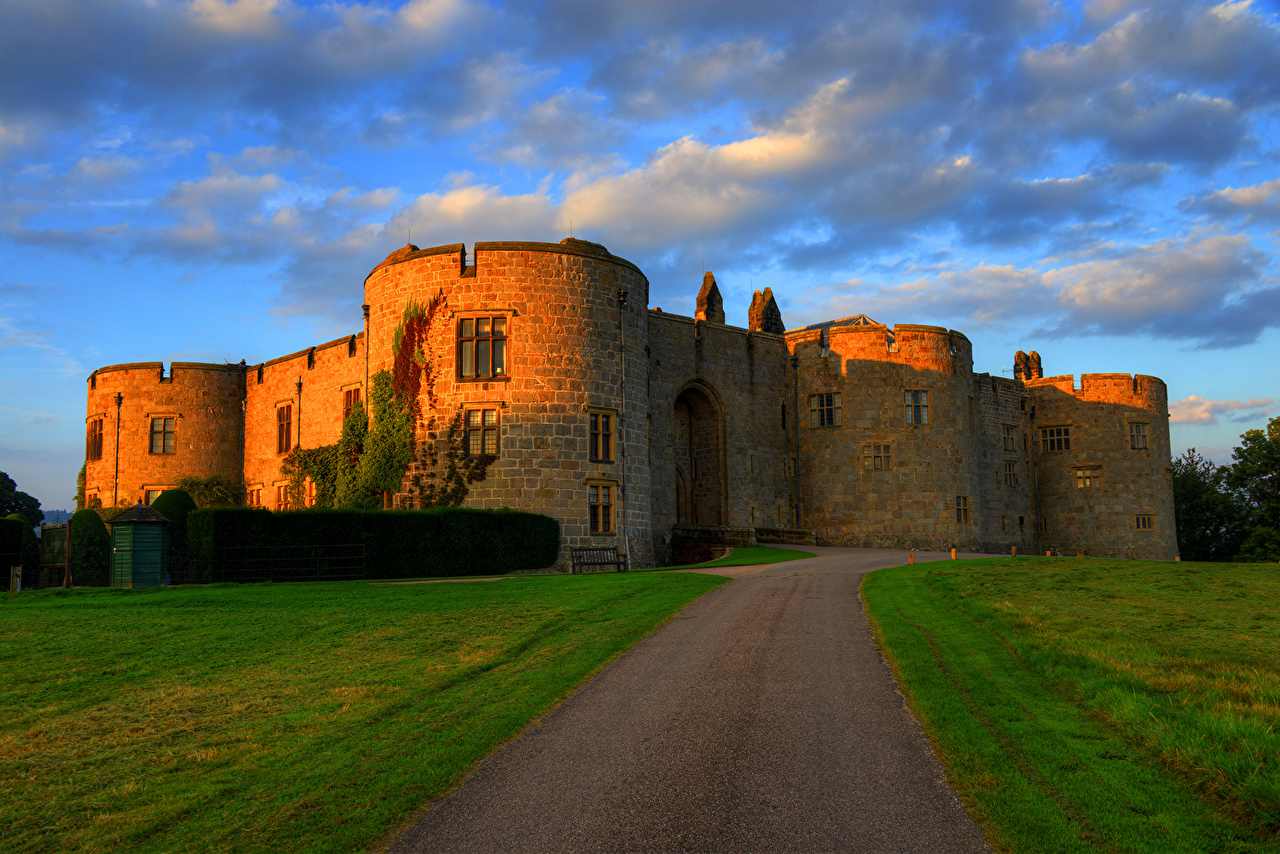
[208, 180]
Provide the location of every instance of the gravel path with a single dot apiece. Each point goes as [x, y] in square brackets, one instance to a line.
[761, 718]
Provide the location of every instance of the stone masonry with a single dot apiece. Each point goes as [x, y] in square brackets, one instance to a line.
[862, 433]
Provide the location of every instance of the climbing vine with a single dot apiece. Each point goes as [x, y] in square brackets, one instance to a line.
[367, 462]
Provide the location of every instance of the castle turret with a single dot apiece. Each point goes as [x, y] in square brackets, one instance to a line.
[1102, 465]
[188, 422]
[710, 303]
[764, 316]
[533, 348]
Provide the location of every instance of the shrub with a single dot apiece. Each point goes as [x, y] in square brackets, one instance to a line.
[174, 505]
[90, 550]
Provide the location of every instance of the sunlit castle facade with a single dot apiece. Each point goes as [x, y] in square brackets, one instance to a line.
[629, 424]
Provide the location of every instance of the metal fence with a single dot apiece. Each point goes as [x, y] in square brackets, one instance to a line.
[284, 563]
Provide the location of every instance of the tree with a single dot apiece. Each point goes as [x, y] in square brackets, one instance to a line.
[13, 501]
[1211, 522]
[1255, 476]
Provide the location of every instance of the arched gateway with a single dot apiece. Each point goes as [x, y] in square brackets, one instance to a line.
[699, 459]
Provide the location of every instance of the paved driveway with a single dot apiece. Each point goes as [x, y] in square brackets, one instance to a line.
[761, 718]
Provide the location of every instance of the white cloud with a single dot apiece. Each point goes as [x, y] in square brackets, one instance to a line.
[470, 213]
[1197, 410]
[239, 17]
[1256, 202]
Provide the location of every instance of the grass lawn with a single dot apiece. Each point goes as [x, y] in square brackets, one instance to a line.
[1096, 705]
[298, 717]
[746, 556]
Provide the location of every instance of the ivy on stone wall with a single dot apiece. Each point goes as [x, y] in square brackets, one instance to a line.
[367, 462]
[414, 370]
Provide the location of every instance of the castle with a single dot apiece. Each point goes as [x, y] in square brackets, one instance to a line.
[626, 423]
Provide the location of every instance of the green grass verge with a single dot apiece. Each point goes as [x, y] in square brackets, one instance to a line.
[288, 717]
[746, 556]
[1095, 705]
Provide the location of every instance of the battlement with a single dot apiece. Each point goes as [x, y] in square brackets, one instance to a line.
[862, 339]
[1141, 390]
[569, 246]
[157, 368]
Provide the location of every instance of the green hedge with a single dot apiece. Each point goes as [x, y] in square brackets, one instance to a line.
[11, 540]
[90, 550]
[397, 543]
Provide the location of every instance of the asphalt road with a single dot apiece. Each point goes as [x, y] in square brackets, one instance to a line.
[761, 718]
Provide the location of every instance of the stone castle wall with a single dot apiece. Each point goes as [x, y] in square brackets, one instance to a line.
[715, 396]
[325, 372]
[1092, 494]
[205, 402]
[1007, 503]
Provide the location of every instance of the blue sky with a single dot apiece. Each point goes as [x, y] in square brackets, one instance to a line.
[209, 180]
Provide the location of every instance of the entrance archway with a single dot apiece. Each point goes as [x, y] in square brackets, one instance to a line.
[699, 456]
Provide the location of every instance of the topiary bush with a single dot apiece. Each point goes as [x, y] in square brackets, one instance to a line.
[90, 551]
[174, 505]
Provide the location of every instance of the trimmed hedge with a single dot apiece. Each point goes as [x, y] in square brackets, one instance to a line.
[397, 543]
[11, 541]
[90, 550]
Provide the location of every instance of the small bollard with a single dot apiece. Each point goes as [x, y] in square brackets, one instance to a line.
[953, 553]
[1048, 552]
[1177, 558]
[911, 558]
[1014, 553]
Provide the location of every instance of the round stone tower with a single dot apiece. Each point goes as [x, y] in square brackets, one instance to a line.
[525, 344]
[189, 422]
[888, 435]
[1102, 465]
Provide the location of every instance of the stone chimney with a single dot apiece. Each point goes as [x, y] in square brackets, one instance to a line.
[710, 303]
[764, 316]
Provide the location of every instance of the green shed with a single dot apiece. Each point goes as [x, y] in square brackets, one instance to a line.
[139, 548]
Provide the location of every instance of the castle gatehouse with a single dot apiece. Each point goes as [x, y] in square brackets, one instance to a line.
[623, 421]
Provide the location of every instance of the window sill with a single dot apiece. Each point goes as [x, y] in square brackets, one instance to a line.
[605, 534]
[502, 379]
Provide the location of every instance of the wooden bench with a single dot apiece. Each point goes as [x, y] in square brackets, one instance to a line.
[596, 556]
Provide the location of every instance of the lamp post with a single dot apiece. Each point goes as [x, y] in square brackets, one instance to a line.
[115, 489]
[298, 444]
